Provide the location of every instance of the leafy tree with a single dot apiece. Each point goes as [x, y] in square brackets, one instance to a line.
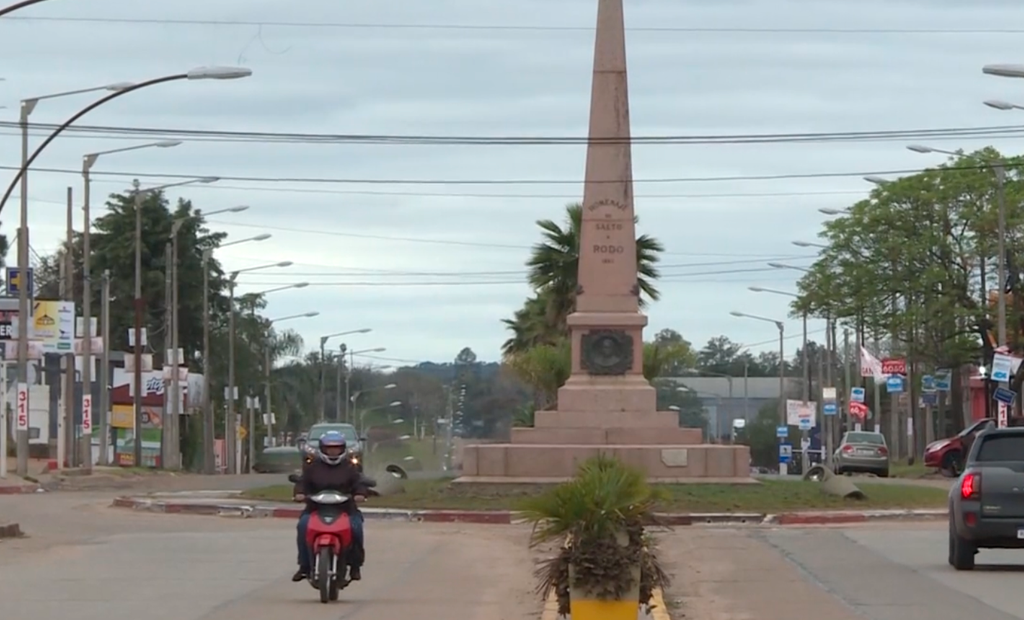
[553, 267]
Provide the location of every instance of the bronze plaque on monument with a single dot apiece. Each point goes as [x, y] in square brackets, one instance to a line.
[606, 352]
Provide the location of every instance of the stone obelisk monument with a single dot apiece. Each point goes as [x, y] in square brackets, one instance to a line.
[606, 405]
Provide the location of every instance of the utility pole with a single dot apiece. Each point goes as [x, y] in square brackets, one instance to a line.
[63, 447]
[105, 371]
[323, 370]
[139, 304]
[828, 422]
[349, 414]
[69, 359]
[848, 378]
[209, 465]
[337, 388]
[167, 432]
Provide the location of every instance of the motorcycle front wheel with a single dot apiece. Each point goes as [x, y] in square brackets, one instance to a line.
[324, 581]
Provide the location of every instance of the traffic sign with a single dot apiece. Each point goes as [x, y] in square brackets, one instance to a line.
[894, 384]
[1003, 395]
[830, 409]
[14, 282]
[894, 366]
[943, 378]
[86, 415]
[22, 410]
[929, 399]
[805, 424]
[858, 410]
[785, 452]
[782, 432]
[242, 433]
[1002, 368]
[857, 394]
[927, 383]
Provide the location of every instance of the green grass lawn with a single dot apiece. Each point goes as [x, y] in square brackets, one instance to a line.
[769, 496]
[423, 453]
[916, 470]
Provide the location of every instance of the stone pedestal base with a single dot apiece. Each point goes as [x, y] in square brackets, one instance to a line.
[536, 462]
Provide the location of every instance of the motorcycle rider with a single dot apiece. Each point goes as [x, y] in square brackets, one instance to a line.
[332, 471]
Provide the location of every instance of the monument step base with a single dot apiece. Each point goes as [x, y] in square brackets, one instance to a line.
[608, 436]
[559, 461]
[576, 419]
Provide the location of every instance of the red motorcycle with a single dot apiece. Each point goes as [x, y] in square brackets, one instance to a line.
[329, 537]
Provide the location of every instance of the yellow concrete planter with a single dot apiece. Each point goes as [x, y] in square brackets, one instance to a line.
[584, 605]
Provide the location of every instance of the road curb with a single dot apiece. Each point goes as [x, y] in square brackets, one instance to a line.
[10, 530]
[841, 517]
[19, 489]
[504, 517]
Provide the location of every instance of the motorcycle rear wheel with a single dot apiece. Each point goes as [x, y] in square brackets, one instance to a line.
[324, 581]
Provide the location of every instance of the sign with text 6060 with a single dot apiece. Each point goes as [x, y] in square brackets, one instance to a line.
[21, 409]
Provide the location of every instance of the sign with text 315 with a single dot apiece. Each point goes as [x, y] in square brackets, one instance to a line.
[22, 407]
[86, 414]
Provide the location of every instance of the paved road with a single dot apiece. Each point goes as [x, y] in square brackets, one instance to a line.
[86, 561]
[878, 572]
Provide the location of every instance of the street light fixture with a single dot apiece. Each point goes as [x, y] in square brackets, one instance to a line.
[877, 180]
[208, 431]
[782, 357]
[1002, 105]
[830, 211]
[1010, 71]
[787, 266]
[809, 244]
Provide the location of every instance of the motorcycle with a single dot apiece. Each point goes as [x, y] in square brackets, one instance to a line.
[329, 537]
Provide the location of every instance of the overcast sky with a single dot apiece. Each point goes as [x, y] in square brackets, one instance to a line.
[369, 249]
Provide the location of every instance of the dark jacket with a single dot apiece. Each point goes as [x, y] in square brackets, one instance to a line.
[344, 478]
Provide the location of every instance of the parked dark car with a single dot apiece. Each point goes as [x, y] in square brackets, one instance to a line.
[986, 505]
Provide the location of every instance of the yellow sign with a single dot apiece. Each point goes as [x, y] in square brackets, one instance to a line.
[242, 433]
[122, 416]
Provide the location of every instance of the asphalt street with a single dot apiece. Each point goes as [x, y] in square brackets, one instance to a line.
[84, 560]
[877, 571]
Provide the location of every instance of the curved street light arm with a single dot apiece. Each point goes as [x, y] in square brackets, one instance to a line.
[89, 108]
[18, 6]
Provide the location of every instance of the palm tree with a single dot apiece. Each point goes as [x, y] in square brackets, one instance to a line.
[554, 267]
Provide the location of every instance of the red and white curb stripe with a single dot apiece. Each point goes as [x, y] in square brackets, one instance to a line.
[505, 517]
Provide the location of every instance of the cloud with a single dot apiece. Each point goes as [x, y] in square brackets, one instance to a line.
[357, 68]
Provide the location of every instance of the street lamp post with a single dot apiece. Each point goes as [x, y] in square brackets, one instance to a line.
[208, 426]
[358, 393]
[266, 379]
[88, 161]
[172, 426]
[783, 469]
[140, 303]
[348, 377]
[323, 365]
[362, 416]
[231, 422]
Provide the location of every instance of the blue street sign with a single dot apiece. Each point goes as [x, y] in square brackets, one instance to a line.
[785, 452]
[927, 383]
[943, 377]
[1004, 395]
[830, 408]
[805, 424]
[894, 384]
[857, 394]
[14, 282]
[930, 399]
[782, 432]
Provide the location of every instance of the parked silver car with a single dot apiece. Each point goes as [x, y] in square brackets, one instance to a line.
[861, 451]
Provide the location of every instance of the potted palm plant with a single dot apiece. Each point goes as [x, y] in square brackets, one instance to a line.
[607, 565]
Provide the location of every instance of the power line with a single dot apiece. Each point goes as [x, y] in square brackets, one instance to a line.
[125, 132]
[357, 181]
[509, 28]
